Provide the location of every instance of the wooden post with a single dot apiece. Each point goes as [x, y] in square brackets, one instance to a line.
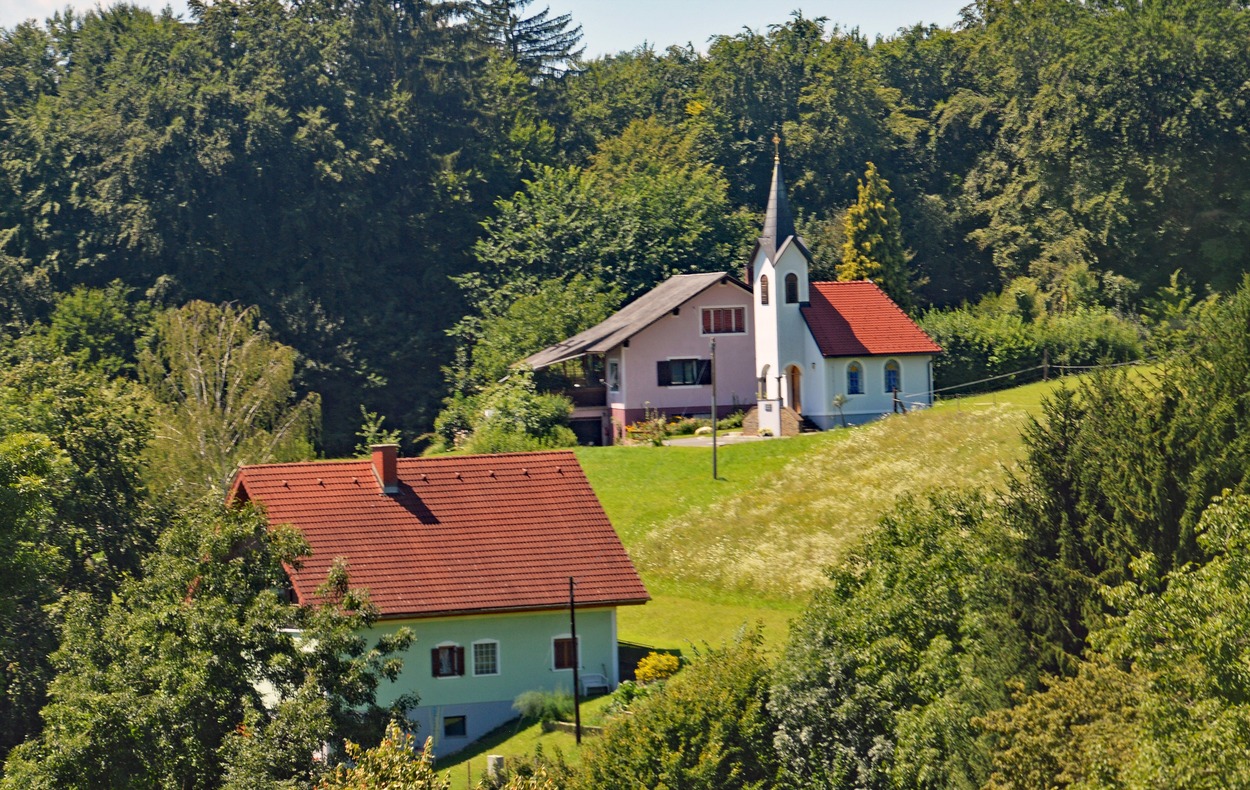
[577, 654]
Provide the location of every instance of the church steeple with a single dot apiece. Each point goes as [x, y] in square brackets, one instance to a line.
[778, 221]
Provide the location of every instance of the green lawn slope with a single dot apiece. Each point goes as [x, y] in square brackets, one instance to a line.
[752, 544]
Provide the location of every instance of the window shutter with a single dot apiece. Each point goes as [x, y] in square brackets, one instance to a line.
[705, 371]
[459, 660]
[434, 662]
[663, 374]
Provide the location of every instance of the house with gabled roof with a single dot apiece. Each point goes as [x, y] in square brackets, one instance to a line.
[792, 351]
[474, 554]
[654, 354]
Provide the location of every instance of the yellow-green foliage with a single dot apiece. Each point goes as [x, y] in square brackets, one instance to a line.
[874, 248]
[708, 728]
[657, 666]
[395, 762]
[541, 779]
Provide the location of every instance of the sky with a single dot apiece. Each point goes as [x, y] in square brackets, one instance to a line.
[610, 26]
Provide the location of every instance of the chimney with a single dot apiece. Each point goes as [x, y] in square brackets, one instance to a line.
[384, 456]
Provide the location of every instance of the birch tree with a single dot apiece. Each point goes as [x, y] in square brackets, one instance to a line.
[225, 398]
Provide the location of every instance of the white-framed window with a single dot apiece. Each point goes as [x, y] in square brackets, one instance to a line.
[447, 660]
[564, 652]
[893, 377]
[614, 375]
[854, 379]
[724, 321]
[486, 657]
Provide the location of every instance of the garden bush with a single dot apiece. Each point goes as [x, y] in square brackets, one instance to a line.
[657, 666]
[544, 706]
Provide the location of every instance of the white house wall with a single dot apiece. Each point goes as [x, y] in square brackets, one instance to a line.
[915, 384]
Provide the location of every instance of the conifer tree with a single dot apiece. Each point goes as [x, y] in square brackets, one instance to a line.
[874, 243]
[540, 44]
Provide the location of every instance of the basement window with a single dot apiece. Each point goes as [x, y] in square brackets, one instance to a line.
[455, 727]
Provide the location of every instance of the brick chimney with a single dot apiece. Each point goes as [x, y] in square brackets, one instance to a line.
[384, 456]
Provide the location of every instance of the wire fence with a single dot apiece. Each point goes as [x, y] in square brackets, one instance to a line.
[913, 400]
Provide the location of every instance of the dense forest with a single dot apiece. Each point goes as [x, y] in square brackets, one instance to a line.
[276, 229]
[384, 181]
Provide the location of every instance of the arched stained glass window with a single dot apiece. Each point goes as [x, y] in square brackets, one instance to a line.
[893, 377]
[854, 379]
[792, 288]
[763, 289]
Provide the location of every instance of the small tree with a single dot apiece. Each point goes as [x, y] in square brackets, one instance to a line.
[874, 249]
[709, 727]
[839, 403]
[395, 762]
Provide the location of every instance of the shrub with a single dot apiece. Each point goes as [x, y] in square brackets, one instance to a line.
[395, 762]
[651, 429]
[684, 426]
[512, 416]
[732, 421]
[982, 341]
[706, 728]
[544, 705]
[536, 771]
[657, 666]
[628, 693]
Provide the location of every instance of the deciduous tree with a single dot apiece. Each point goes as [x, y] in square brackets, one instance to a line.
[198, 671]
[224, 390]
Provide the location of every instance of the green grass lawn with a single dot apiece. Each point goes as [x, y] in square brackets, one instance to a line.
[751, 545]
[786, 508]
[519, 739]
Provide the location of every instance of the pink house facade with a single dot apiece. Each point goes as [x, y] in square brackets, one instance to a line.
[655, 354]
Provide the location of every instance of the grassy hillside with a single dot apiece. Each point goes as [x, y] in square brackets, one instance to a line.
[751, 545]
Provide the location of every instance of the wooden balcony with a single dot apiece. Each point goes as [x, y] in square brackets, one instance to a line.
[586, 396]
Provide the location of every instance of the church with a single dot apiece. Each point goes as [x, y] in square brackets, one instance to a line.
[792, 353]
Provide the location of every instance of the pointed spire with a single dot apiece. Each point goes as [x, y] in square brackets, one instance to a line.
[778, 221]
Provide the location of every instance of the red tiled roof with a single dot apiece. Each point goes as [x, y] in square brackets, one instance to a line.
[850, 319]
[463, 534]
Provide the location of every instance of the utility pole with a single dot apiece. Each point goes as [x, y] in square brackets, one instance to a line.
[577, 654]
[714, 415]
